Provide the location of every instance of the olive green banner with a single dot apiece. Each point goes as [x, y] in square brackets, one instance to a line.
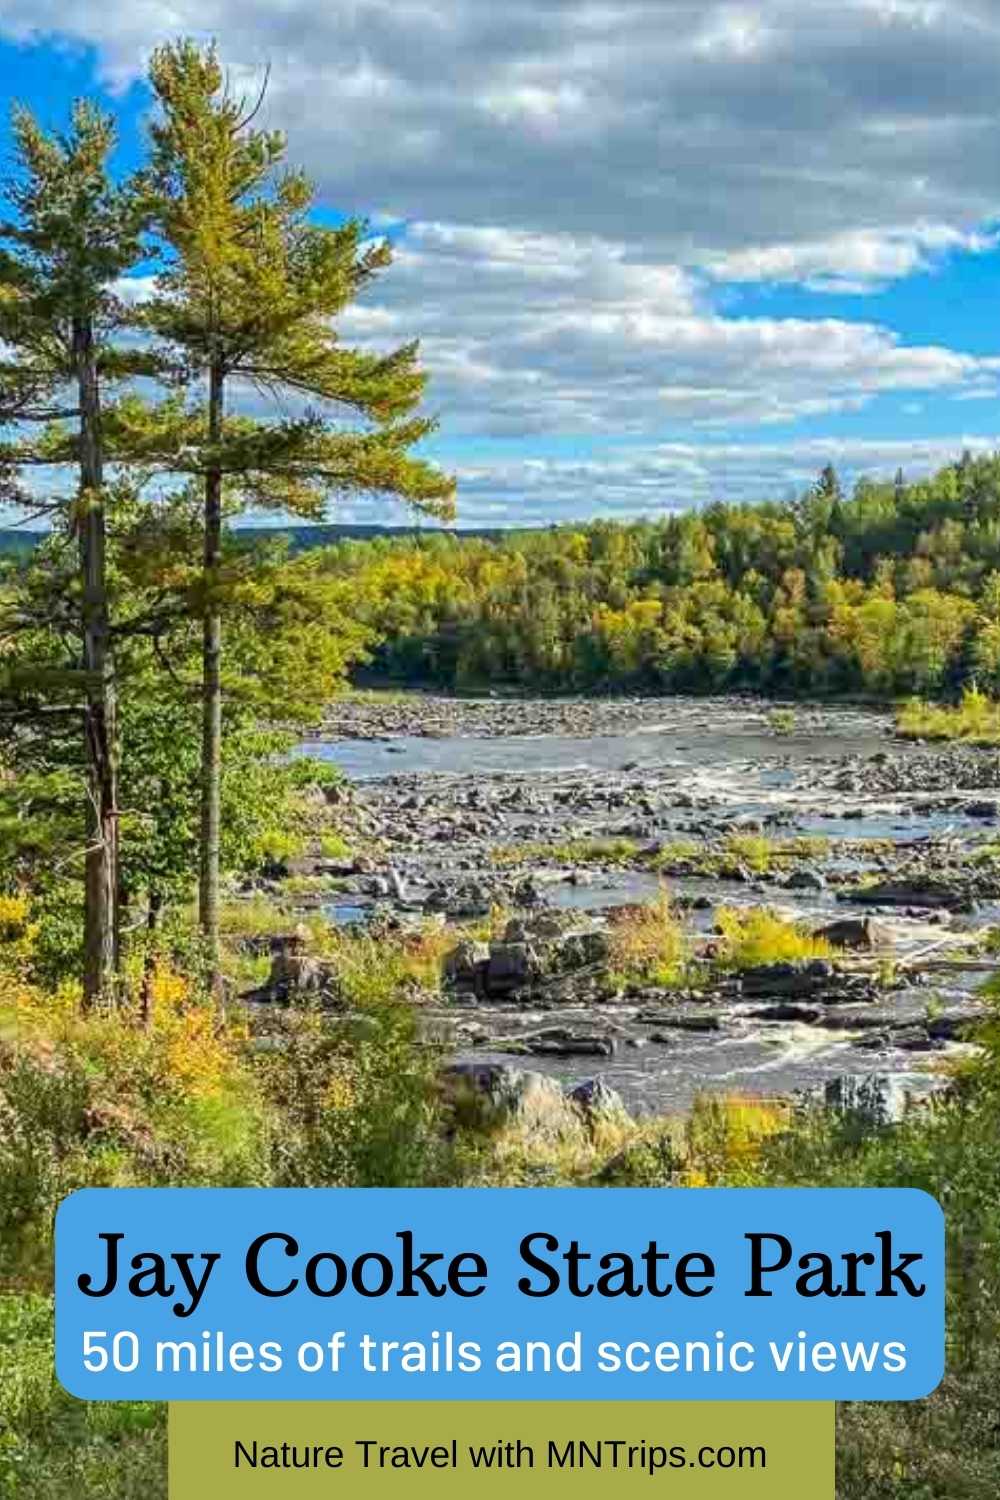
[298, 1451]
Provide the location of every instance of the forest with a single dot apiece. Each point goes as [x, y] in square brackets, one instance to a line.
[893, 590]
[176, 1006]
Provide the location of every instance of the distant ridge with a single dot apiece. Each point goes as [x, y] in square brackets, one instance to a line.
[15, 539]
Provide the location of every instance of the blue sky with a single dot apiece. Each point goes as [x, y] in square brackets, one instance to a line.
[656, 252]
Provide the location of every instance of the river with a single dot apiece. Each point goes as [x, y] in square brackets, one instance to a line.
[472, 778]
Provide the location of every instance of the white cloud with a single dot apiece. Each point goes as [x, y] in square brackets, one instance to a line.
[859, 260]
[581, 178]
[528, 333]
[668, 477]
[699, 127]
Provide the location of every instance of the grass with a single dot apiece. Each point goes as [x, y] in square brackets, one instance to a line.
[334, 846]
[617, 851]
[975, 720]
[649, 946]
[737, 854]
[758, 936]
[257, 916]
[53, 1447]
[293, 886]
[371, 969]
[781, 721]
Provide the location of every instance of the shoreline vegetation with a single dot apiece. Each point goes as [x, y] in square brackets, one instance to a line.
[178, 1006]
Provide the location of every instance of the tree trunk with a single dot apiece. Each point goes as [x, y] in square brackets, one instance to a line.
[211, 732]
[101, 881]
[149, 962]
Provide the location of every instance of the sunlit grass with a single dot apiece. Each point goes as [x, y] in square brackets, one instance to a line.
[759, 936]
[615, 851]
[975, 720]
[758, 853]
[649, 945]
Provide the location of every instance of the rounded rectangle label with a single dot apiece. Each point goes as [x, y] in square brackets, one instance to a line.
[609, 1294]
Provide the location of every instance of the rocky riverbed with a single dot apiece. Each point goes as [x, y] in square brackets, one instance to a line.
[566, 812]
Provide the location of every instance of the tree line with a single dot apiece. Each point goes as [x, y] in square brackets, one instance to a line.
[894, 589]
[170, 361]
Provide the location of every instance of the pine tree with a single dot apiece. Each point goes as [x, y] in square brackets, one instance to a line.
[72, 234]
[827, 486]
[248, 301]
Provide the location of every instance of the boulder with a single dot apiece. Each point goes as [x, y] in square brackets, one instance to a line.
[856, 932]
[465, 965]
[787, 980]
[874, 1100]
[806, 880]
[502, 1097]
[510, 967]
[598, 1102]
[295, 974]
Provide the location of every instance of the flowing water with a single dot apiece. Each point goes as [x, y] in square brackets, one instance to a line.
[688, 769]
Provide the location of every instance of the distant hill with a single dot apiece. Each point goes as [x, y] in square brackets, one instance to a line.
[303, 537]
[13, 539]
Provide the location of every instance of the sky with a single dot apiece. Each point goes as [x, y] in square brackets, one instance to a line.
[656, 252]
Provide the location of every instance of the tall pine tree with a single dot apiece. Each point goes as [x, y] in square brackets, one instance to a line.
[247, 305]
[71, 235]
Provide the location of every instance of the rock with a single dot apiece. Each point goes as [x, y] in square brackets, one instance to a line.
[599, 1102]
[860, 1018]
[787, 1011]
[295, 974]
[545, 927]
[465, 965]
[917, 1039]
[459, 902]
[981, 809]
[855, 932]
[791, 980]
[510, 967]
[686, 1020]
[806, 880]
[875, 1100]
[502, 1097]
[951, 1026]
[923, 891]
[566, 1044]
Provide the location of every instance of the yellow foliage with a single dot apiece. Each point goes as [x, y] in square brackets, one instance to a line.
[648, 943]
[759, 936]
[17, 931]
[182, 1052]
[724, 1135]
[341, 1091]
